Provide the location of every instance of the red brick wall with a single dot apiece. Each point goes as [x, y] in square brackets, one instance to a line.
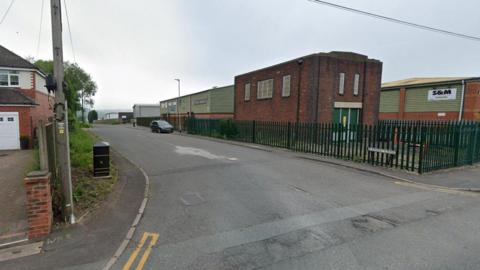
[278, 107]
[472, 101]
[39, 204]
[45, 108]
[318, 79]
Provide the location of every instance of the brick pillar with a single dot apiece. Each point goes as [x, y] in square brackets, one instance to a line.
[401, 105]
[39, 204]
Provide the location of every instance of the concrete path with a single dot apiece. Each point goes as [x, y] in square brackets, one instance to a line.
[216, 205]
[13, 215]
[92, 242]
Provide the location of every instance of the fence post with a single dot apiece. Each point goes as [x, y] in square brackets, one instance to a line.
[253, 131]
[422, 153]
[289, 131]
[474, 147]
[42, 146]
[457, 145]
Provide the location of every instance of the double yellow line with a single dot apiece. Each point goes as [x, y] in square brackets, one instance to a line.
[146, 254]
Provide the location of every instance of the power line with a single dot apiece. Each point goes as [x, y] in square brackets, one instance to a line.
[40, 29]
[69, 31]
[6, 12]
[424, 27]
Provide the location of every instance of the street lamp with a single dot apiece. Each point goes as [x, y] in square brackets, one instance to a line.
[178, 111]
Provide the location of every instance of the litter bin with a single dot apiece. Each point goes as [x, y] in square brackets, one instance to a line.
[101, 159]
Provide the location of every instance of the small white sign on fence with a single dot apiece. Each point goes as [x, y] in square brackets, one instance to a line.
[442, 94]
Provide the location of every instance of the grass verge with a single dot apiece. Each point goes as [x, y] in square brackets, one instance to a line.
[88, 192]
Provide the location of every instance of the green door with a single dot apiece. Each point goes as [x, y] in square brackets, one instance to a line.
[346, 116]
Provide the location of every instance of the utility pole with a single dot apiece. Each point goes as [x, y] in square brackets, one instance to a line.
[61, 113]
[178, 104]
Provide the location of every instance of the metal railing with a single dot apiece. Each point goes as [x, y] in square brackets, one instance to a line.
[413, 146]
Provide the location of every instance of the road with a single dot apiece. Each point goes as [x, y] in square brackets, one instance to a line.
[214, 205]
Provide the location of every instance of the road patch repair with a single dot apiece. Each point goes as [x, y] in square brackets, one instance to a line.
[200, 152]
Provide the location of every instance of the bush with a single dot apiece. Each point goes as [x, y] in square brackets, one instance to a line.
[81, 148]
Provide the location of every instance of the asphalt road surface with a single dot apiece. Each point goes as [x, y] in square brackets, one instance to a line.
[215, 205]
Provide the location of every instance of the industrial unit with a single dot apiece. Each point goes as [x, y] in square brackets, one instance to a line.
[216, 103]
[339, 87]
[447, 98]
[146, 110]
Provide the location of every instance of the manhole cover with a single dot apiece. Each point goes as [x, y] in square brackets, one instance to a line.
[191, 198]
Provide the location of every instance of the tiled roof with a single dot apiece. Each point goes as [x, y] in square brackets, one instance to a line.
[10, 59]
[414, 81]
[14, 97]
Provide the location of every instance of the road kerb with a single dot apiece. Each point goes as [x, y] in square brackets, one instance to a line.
[131, 231]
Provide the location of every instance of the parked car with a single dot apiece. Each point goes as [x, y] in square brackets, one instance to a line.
[161, 126]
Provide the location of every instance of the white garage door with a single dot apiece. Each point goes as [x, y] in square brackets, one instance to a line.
[9, 131]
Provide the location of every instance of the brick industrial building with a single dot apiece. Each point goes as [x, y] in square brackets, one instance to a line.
[431, 99]
[337, 86]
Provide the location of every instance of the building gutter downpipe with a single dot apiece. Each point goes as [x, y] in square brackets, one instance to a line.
[462, 101]
[300, 68]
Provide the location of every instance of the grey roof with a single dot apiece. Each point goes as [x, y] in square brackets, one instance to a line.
[10, 59]
[14, 97]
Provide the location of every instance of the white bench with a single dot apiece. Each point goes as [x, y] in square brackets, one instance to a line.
[390, 153]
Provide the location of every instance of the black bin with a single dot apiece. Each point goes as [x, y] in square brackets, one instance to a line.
[101, 159]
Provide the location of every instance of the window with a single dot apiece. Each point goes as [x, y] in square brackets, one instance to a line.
[9, 78]
[265, 89]
[286, 86]
[247, 91]
[3, 79]
[14, 81]
[341, 84]
[355, 84]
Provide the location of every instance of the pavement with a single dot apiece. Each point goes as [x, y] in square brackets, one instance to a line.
[92, 242]
[13, 215]
[216, 205]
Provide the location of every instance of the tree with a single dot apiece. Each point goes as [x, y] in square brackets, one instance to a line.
[92, 116]
[79, 86]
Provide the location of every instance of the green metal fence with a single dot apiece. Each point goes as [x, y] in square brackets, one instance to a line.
[412, 146]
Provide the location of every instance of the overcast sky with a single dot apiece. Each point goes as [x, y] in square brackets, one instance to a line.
[135, 49]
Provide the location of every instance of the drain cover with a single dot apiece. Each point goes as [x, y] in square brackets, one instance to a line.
[191, 198]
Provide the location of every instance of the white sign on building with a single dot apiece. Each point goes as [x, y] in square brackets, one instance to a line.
[442, 94]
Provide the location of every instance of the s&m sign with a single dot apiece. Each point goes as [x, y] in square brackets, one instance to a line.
[442, 94]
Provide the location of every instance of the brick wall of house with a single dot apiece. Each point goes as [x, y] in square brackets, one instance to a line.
[45, 108]
[314, 88]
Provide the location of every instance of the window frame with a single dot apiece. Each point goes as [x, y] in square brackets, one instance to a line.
[264, 82]
[249, 96]
[341, 83]
[356, 84]
[289, 85]
[9, 74]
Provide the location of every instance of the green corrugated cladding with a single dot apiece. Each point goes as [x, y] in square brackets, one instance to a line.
[201, 102]
[416, 100]
[221, 99]
[216, 100]
[389, 100]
